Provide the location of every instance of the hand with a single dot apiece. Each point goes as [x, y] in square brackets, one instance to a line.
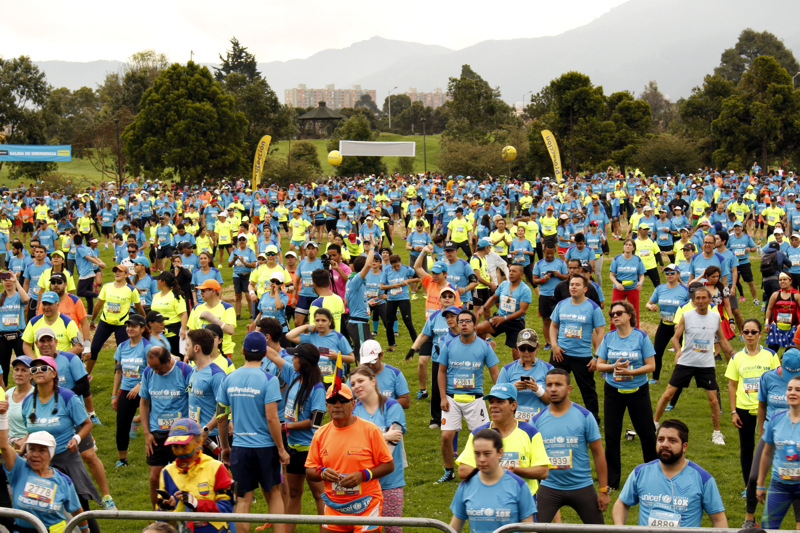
[622, 367]
[393, 435]
[736, 420]
[183, 333]
[92, 327]
[207, 316]
[3, 407]
[521, 385]
[251, 327]
[283, 455]
[493, 286]
[410, 355]
[495, 321]
[187, 498]
[761, 495]
[134, 392]
[619, 286]
[149, 443]
[352, 479]
[557, 355]
[72, 445]
[167, 505]
[591, 366]
[603, 499]
[460, 290]
[444, 404]
[225, 456]
[114, 403]
[638, 286]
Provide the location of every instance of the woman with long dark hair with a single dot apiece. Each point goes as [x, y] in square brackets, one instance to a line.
[13, 302]
[171, 303]
[184, 278]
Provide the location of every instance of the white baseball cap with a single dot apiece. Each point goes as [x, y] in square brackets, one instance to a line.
[45, 439]
[370, 351]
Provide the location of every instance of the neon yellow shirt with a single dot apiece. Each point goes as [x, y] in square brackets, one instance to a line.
[747, 369]
[118, 302]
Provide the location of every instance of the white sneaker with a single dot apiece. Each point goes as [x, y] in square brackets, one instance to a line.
[718, 438]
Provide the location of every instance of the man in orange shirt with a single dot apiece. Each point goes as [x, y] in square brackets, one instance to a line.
[70, 305]
[434, 283]
[26, 217]
[349, 454]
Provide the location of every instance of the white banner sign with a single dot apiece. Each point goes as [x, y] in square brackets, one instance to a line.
[377, 148]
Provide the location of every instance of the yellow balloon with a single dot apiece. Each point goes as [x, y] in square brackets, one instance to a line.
[335, 158]
[509, 153]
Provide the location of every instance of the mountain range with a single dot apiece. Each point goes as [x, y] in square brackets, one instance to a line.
[674, 42]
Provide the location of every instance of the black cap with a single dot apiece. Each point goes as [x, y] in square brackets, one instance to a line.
[58, 276]
[136, 319]
[214, 329]
[450, 245]
[155, 316]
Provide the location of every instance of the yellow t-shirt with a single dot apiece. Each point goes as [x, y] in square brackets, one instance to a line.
[223, 230]
[170, 307]
[223, 311]
[299, 227]
[747, 369]
[118, 302]
[501, 247]
[44, 280]
[459, 229]
[64, 327]
[647, 250]
[549, 226]
[481, 266]
[260, 277]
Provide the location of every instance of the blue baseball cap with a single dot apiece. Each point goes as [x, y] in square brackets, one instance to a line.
[50, 297]
[452, 309]
[439, 267]
[483, 242]
[790, 363]
[255, 342]
[142, 261]
[183, 431]
[24, 359]
[503, 391]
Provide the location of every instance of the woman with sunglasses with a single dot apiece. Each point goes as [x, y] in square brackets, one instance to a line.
[58, 262]
[626, 356]
[627, 275]
[206, 271]
[389, 416]
[490, 496]
[527, 374]
[666, 299]
[744, 375]
[13, 301]
[273, 302]
[61, 413]
[781, 314]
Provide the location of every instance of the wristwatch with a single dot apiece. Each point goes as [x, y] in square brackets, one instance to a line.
[205, 429]
[605, 490]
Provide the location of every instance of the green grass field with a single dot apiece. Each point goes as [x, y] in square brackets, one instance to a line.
[422, 498]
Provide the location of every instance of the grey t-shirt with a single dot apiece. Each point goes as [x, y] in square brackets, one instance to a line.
[698, 338]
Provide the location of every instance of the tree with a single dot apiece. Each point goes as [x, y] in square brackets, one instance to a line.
[70, 114]
[238, 60]
[701, 108]
[476, 109]
[752, 44]
[629, 120]
[356, 128]
[187, 127]
[100, 144]
[264, 112]
[409, 122]
[125, 89]
[23, 94]
[305, 152]
[368, 103]
[663, 112]
[666, 154]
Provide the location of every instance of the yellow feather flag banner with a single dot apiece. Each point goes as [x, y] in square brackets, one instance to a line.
[261, 155]
[552, 149]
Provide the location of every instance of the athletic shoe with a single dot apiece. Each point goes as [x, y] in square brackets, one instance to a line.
[756, 302]
[108, 503]
[749, 524]
[742, 298]
[95, 420]
[547, 346]
[433, 425]
[422, 394]
[414, 296]
[718, 438]
[134, 431]
[652, 382]
[670, 407]
[121, 463]
[448, 476]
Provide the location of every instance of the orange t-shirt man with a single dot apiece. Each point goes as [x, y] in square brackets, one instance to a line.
[433, 289]
[26, 214]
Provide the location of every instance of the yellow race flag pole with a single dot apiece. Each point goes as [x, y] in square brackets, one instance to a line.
[552, 149]
[261, 155]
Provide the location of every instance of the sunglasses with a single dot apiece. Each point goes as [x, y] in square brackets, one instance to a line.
[41, 368]
[526, 348]
[751, 332]
[668, 272]
[271, 254]
[56, 282]
[615, 314]
[337, 399]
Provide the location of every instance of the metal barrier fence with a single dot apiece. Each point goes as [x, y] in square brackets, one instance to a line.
[590, 528]
[254, 518]
[16, 513]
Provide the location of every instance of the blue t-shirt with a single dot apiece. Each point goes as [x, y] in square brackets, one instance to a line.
[585, 256]
[391, 413]
[70, 369]
[509, 301]
[329, 346]
[458, 274]
[438, 331]
[198, 277]
[50, 510]
[662, 500]
[393, 277]
[61, 425]
[133, 360]
[782, 433]
[32, 273]
[416, 238]
[82, 263]
[739, 245]
[772, 390]
[169, 399]
[516, 249]
[487, 507]
[391, 382]
[304, 270]
[373, 286]
[12, 314]
[268, 309]
[634, 348]
[149, 286]
[575, 325]
[669, 300]
[247, 255]
[566, 439]
[292, 412]
[528, 404]
[203, 387]
[542, 267]
[699, 264]
[356, 295]
[627, 270]
[247, 390]
[465, 363]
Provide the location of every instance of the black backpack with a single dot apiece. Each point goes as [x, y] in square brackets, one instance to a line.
[769, 263]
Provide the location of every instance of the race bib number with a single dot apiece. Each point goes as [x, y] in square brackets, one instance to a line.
[702, 345]
[395, 292]
[751, 385]
[645, 253]
[11, 320]
[326, 367]
[519, 257]
[288, 412]
[663, 519]
[524, 414]
[508, 304]
[499, 248]
[372, 293]
[130, 372]
[562, 461]
[572, 332]
[339, 490]
[739, 252]
[464, 383]
[789, 474]
[622, 377]
[308, 283]
[785, 318]
[113, 307]
[548, 228]
[165, 421]
[194, 414]
[667, 317]
[41, 490]
[509, 459]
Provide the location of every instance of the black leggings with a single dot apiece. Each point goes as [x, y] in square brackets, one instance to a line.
[747, 444]
[640, 412]
[380, 311]
[529, 274]
[405, 313]
[436, 394]
[102, 333]
[653, 275]
[85, 289]
[6, 347]
[584, 501]
[126, 411]
[175, 340]
[464, 246]
[662, 340]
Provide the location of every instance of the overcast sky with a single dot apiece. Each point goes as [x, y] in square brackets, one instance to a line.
[273, 30]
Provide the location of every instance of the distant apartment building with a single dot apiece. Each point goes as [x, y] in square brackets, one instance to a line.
[433, 99]
[334, 98]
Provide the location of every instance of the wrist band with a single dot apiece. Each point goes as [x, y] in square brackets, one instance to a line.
[761, 488]
[76, 436]
[4, 421]
[539, 392]
[366, 473]
[113, 397]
